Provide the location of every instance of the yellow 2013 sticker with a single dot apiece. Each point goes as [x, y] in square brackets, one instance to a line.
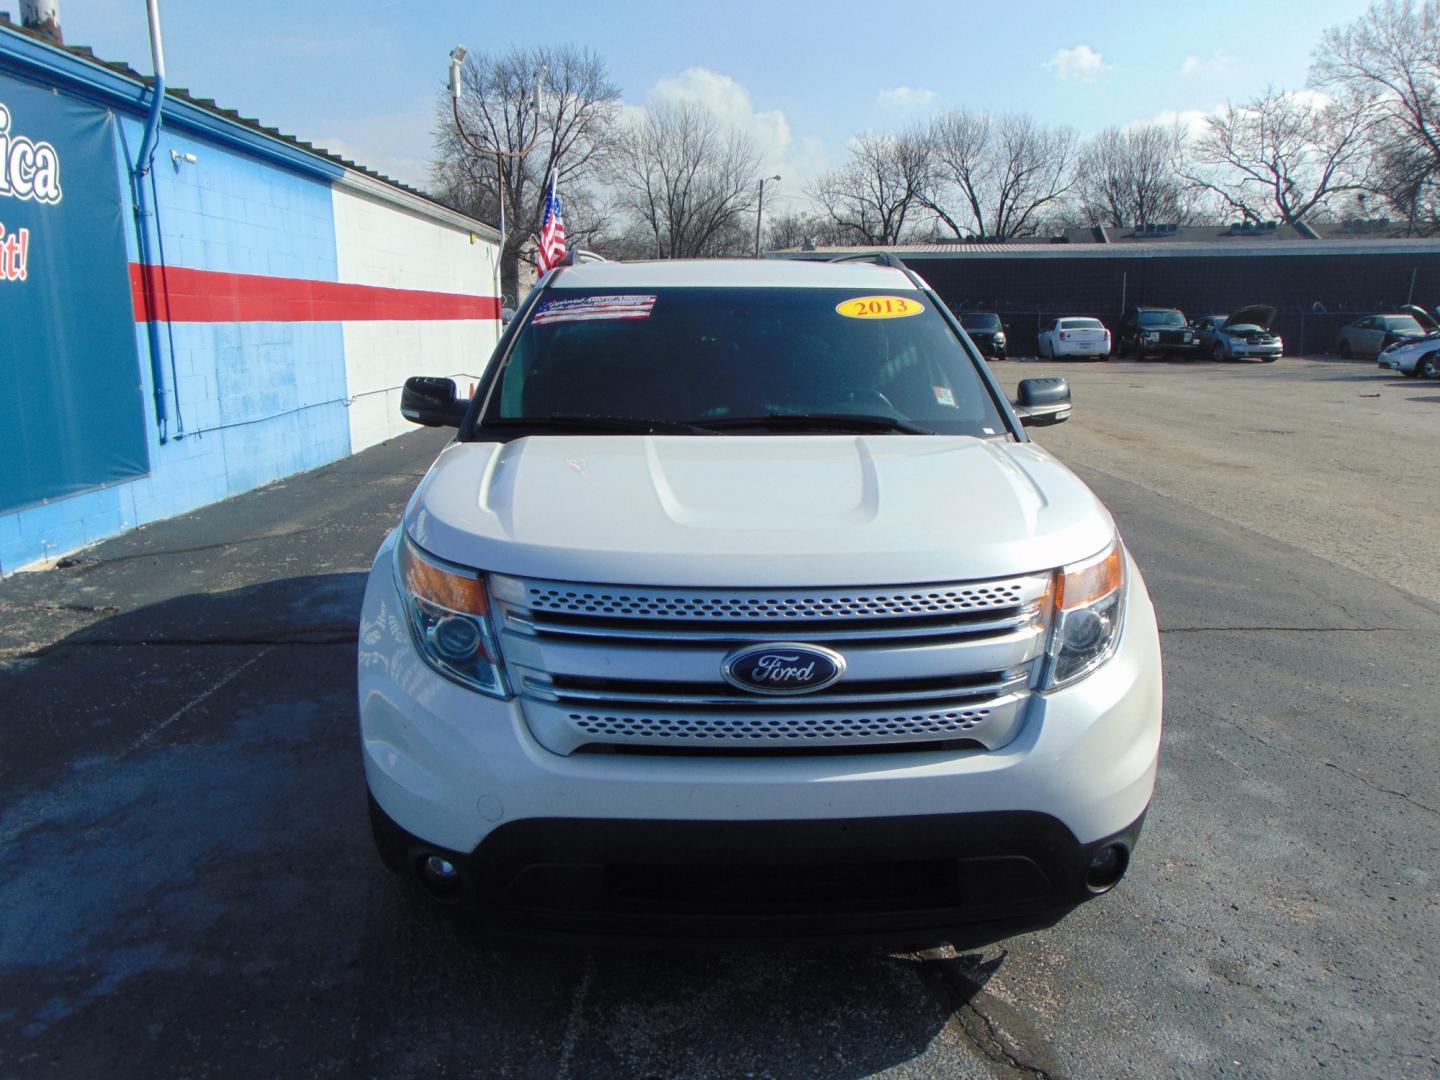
[879, 307]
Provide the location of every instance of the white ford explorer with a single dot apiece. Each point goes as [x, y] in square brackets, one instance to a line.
[741, 605]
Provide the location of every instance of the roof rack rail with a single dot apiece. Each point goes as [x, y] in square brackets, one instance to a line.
[882, 258]
[575, 256]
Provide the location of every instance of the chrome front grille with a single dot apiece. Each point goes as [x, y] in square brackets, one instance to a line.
[625, 668]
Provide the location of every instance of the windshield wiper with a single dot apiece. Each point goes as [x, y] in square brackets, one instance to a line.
[844, 422]
[585, 422]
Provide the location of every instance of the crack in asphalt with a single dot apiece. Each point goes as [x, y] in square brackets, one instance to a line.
[1361, 777]
[299, 637]
[1291, 629]
[964, 994]
[993, 1044]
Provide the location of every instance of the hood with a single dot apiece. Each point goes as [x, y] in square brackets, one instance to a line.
[1423, 317]
[1261, 315]
[761, 511]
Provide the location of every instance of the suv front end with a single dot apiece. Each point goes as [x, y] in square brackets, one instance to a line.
[667, 684]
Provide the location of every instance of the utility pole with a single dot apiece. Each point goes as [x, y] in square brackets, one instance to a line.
[760, 211]
[457, 57]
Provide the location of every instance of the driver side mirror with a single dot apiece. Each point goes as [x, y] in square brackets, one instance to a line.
[1042, 402]
[432, 402]
[507, 314]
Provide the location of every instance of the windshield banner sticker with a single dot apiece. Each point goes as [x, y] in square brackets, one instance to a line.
[879, 307]
[590, 308]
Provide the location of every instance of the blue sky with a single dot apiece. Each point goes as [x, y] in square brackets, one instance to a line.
[361, 76]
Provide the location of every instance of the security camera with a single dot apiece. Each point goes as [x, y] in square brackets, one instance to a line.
[458, 54]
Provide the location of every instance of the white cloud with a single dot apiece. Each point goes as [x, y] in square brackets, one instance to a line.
[1217, 63]
[1190, 121]
[906, 98]
[799, 161]
[731, 103]
[1079, 62]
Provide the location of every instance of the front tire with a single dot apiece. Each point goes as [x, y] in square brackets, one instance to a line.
[1218, 353]
[1429, 366]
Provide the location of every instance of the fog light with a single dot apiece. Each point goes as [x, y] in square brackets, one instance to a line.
[1107, 866]
[440, 869]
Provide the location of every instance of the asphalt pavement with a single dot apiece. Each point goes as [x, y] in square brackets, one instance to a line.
[188, 888]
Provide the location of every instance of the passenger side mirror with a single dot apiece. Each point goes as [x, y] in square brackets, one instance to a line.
[507, 314]
[1042, 402]
[432, 402]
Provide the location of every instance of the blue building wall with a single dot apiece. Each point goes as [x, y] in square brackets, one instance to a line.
[248, 402]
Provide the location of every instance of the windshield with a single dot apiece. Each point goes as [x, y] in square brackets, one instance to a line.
[980, 320]
[1403, 322]
[1162, 318]
[701, 360]
[1081, 324]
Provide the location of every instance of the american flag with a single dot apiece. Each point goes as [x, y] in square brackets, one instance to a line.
[552, 229]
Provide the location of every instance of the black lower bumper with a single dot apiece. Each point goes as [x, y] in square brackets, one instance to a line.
[968, 879]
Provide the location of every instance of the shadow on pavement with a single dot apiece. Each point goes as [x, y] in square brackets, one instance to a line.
[189, 888]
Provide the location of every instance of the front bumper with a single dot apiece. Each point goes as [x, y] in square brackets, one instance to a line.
[460, 773]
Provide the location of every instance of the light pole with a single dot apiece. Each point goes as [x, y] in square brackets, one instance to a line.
[760, 211]
[457, 57]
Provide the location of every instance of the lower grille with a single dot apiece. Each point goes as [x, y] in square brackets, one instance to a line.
[984, 723]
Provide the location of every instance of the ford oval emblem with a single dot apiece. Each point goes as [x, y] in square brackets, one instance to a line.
[783, 667]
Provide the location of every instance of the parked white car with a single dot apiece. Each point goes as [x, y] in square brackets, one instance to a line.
[742, 604]
[1415, 358]
[1074, 337]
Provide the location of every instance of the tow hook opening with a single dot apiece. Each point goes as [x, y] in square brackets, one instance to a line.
[1107, 867]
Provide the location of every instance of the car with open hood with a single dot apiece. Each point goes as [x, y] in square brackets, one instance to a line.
[742, 604]
[1242, 335]
[1416, 357]
[1373, 334]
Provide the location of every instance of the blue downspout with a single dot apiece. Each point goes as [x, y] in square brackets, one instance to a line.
[144, 211]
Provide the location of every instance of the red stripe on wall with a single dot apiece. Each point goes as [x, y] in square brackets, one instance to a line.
[182, 294]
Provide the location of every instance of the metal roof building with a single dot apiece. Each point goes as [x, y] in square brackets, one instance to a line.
[1317, 285]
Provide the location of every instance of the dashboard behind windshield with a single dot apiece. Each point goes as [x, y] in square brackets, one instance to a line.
[682, 356]
[1162, 318]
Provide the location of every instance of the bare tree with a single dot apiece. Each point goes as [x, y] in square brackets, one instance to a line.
[997, 178]
[1283, 155]
[1131, 177]
[796, 228]
[688, 179]
[1389, 61]
[572, 133]
[882, 188]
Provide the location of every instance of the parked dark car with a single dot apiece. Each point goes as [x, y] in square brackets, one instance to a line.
[1147, 331]
[1374, 334]
[986, 331]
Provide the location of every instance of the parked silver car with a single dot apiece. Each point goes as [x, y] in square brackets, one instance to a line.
[1245, 334]
[1374, 334]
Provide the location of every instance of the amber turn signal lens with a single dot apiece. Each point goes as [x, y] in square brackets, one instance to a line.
[1081, 584]
[446, 588]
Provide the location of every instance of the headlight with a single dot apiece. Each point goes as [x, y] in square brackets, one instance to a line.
[1151, 335]
[1089, 603]
[999, 338]
[448, 610]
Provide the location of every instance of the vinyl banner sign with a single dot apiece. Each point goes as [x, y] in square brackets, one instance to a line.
[71, 404]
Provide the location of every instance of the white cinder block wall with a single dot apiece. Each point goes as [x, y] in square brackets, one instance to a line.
[380, 244]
